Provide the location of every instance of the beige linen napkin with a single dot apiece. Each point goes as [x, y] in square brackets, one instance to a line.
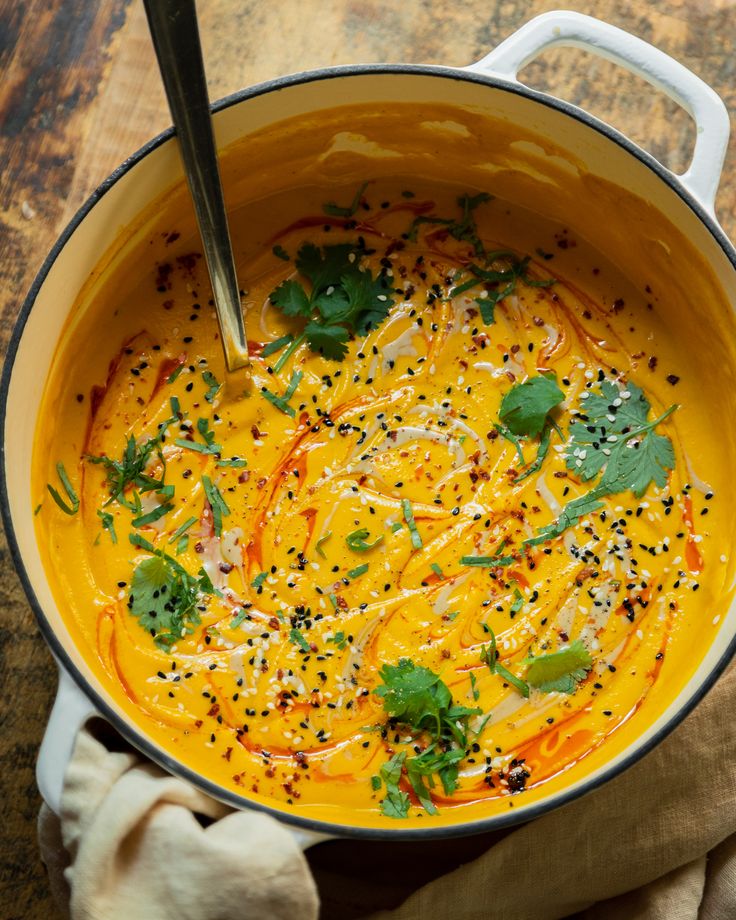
[131, 844]
[656, 843]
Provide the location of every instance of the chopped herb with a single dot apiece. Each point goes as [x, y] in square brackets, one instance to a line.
[209, 446]
[297, 638]
[489, 656]
[518, 602]
[334, 210]
[322, 539]
[282, 402]
[340, 640]
[37, 508]
[280, 253]
[108, 524]
[464, 229]
[216, 502]
[416, 540]
[130, 469]
[213, 384]
[73, 505]
[259, 580]
[236, 462]
[344, 300]
[436, 569]
[559, 671]
[272, 347]
[418, 698]
[175, 373]
[182, 528]
[356, 541]
[239, 617]
[489, 562]
[375, 783]
[473, 689]
[396, 804]
[182, 545]
[152, 516]
[358, 571]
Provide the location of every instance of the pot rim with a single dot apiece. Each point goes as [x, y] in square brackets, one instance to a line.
[126, 727]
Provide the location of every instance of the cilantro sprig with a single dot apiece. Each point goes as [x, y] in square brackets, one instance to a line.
[418, 698]
[164, 597]
[612, 433]
[343, 300]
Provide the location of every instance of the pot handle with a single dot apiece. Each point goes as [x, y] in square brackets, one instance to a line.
[703, 104]
[70, 711]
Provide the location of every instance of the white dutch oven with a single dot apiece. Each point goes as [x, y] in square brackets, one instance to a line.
[682, 201]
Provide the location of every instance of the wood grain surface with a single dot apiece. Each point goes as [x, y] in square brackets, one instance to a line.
[80, 92]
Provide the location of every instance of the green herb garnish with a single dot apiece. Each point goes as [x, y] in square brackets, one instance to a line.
[282, 402]
[358, 571]
[416, 539]
[259, 580]
[73, 505]
[272, 347]
[559, 671]
[213, 384]
[489, 656]
[163, 596]
[280, 253]
[356, 541]
[108, 524]
[340, 640]
[343, 300]
[334, 210]
[217, 504]
[524, 409]
[322, 539]
[416, 697]
[297, 638]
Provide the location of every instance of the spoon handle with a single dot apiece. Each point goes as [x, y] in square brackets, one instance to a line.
[173, 26]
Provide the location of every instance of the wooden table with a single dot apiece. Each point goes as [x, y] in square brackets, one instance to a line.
[80, 91]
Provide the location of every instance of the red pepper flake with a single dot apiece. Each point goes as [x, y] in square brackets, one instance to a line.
[652, 362]
[618, 305]
[214, 709]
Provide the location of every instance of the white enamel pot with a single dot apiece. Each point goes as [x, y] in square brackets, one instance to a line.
[683, 201]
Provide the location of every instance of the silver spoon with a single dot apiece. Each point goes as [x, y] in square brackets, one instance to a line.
[173, 25]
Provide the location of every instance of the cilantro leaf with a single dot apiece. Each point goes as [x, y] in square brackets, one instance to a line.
[291, 298]
[324, 267]
[559, 671]
[524, 409]
[328, 341]
[606, 420]
[163, 597]
[345, 300]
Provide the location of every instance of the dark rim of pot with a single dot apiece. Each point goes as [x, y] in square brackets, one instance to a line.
[126, 728]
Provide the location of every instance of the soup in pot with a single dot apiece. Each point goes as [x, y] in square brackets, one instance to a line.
[452, 541]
